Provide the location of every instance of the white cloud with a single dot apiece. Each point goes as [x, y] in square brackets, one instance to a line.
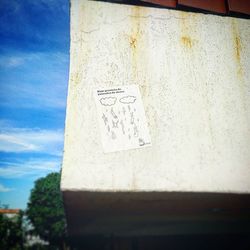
[108, 101]
[43, 83]
[4, 189]
[19, 140]
[12, 61]
[128, 99]
[31, 167]
[13, 143]
[17, 59]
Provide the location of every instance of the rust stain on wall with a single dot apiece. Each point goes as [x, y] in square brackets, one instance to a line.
[133, 42]
[187, 41]
[134, 38]
[76, 77]
[237, 47]
[135, 26]
[187, 28]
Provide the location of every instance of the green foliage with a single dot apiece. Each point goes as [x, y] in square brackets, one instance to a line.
[11, 232]
[45, 209]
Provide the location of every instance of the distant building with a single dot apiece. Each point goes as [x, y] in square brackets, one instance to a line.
[29, 240]
[10, 213]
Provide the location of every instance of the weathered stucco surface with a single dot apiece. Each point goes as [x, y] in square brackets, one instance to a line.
[194, 76]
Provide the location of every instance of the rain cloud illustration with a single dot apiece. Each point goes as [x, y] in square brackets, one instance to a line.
[128, 99]
[108, 101]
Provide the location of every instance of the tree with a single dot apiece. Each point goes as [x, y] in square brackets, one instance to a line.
[45, 209]
[11, 232]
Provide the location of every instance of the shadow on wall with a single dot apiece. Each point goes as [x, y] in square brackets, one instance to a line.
[175, 242]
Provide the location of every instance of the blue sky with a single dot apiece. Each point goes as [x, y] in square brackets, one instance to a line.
[34, 61]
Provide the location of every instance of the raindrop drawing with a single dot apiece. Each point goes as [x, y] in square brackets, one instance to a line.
[113, 113]
[135, 131]
[122, 125]
[105, 119]
[132, 118]
[115, 123]
[108, 128]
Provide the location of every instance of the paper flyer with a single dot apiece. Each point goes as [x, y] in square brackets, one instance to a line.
[121, 118]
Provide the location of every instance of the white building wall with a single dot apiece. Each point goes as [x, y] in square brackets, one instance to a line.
[193, 71]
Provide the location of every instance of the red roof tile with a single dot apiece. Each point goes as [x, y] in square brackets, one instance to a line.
[241, 6]
[9, 211]
[217, 6]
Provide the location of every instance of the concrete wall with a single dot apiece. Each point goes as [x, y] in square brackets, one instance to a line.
[193, 71]
[194, 75]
